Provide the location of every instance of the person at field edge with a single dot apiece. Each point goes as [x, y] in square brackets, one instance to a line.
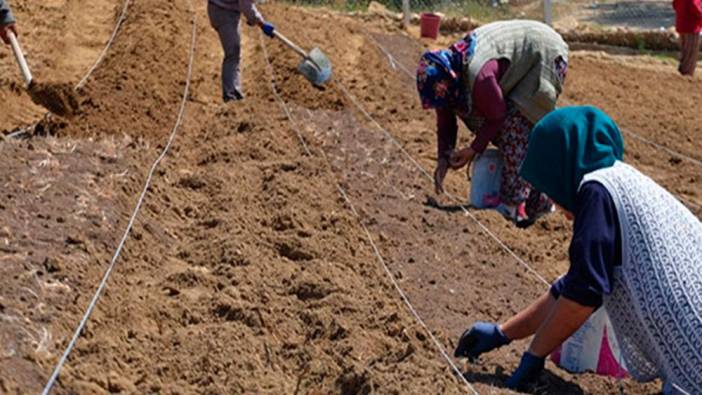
[224, 17]
[635, 249]
[688, 23]
[7, 22]
[498, 80]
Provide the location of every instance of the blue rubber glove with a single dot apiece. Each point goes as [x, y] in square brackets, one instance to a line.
[482, 337]
[268, 29]
[527, 373]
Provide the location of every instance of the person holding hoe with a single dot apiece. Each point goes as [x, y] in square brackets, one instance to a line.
[498, 80]
[224, 17]
[635, 249]
[59, 99]
[7, 22]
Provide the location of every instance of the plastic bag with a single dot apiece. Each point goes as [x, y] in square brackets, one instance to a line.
[592, 348]
[486, 176]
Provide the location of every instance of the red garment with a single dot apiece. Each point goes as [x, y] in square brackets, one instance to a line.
[488, 103]
[688, 16]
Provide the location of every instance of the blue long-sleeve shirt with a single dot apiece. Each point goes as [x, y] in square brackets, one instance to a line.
[596, 248]
[6, 16]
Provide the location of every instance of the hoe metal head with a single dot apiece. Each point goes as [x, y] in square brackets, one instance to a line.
[316, 67]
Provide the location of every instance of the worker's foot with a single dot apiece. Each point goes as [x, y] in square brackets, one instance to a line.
[548, 210]
[531, 220]
[514, 213]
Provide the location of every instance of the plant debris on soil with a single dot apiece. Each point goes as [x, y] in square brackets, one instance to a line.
[246, 270]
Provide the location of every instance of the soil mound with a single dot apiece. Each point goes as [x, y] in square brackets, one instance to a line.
[59, 98]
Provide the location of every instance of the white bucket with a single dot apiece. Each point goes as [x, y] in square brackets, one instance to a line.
[485, 179]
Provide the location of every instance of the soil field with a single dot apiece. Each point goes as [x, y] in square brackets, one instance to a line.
[247, 271]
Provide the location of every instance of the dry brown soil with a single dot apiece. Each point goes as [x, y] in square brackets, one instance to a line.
[246, 270]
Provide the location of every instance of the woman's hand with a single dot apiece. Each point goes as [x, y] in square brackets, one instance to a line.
[528, 372]
[442, 167]
[480, 338]
[461, 158]
[268, 29]
[5, 32]
[553, 321]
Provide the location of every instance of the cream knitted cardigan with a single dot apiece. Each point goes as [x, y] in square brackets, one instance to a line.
[656, 302]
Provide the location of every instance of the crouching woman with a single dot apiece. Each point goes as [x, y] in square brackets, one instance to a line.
[635, 248]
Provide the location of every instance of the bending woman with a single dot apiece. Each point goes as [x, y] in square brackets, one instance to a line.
[635, 248]
[499, 80]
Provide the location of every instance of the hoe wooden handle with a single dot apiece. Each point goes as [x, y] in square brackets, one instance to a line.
[291, 44]
[19, 56]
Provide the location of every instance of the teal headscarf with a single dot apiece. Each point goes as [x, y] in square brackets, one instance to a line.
[567, 144]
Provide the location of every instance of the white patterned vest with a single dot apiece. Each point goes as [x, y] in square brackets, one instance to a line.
[656, 301]
[531, 82]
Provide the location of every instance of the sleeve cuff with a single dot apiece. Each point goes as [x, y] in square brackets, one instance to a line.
[584, 297]
[253, 16]
[6, 18]
[254, 21]
[589, 299]
[557, 288]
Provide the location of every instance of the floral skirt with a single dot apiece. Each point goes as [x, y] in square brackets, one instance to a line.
[513, 142]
